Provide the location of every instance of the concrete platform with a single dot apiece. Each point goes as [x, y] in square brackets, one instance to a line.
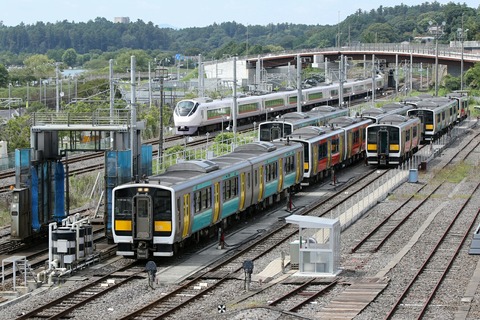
[180, 271]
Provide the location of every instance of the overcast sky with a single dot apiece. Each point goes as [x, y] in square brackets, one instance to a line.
[194, 13]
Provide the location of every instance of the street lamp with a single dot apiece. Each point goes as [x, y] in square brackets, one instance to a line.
[437, 27]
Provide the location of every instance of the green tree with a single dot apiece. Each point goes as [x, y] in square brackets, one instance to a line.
[17, 133]
[4, 77]
[69, 57]
[40, 66]
[451, 83]
[472, 76]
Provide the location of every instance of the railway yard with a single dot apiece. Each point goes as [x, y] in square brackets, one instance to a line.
[405, 258]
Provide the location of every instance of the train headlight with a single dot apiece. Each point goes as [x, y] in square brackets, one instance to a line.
[142, 189]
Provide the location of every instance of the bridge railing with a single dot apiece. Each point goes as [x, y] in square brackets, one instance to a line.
[99, 117]
[414, 48]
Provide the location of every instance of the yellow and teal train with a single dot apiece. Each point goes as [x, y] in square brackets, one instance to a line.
[157, 216]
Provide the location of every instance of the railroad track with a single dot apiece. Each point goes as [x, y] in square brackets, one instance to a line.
[384, 230]
[440, 258]
[228, 269]
[302, 295]
[60, 308]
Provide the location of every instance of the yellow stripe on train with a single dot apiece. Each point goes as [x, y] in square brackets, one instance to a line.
[305, 166]
[123, 225]
[429, 126]
[372, 147]
[163, 226]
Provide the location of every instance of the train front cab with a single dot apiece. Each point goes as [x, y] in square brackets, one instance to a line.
[142, 215]
[427, 119]
[383, 145]
[273, 130]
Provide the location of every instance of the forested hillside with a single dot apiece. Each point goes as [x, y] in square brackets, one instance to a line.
[386, 24]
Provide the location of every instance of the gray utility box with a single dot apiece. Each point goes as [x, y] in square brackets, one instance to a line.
[20, 213]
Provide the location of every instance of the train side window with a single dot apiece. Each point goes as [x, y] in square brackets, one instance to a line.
[194, 202]
[407, 135]
[228, 189]
[197, 206]
[248, 180]
[203, 201]
[414, 131]
[235, 186]
[256, 177]
[209, 197]
[356, 137]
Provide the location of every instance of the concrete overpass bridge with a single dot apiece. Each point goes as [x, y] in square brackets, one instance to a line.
[391, 54]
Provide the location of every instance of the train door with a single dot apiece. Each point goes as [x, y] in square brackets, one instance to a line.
[298, 172]
[329, 152]
[382, 141]
[341, 148]
[314, 157]
[142, 206]
[216, 202]
[276, 133]
[280, 175]
[242, 191]
[350, 144]
[186, 215]
[260, 183]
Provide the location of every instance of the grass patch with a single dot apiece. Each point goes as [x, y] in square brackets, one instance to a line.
[81, 188]
[455, 173]
[4, 218]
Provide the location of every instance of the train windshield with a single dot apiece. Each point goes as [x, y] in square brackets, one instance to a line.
[273, 131]
[372, 134]
[124, 203]
[162, 205]
[394, 136]
[186, 107]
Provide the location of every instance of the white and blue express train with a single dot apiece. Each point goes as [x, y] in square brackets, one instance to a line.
[192, 199]
[207, 115]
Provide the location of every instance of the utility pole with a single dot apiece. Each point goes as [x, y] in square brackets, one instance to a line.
[299, 83]
[235, 105]
[437, 35]
[57, 97]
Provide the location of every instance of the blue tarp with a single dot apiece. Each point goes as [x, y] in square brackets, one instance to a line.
[118, 165]
[147, 155]
[35, 217]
